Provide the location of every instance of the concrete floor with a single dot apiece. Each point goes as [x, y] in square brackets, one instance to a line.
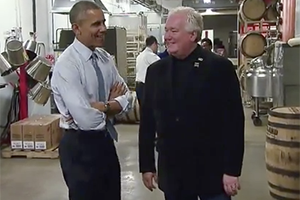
[32, 179]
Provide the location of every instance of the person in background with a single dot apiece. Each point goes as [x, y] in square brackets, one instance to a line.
[143, 60]
[88, 90]
[206, 43]
[220, 50]
[164, 53]
[195, 159]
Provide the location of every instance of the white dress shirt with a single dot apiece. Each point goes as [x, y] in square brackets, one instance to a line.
[143, 61]
[75, 85]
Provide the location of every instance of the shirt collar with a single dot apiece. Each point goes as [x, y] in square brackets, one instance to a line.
[149, 49]
[83, 50]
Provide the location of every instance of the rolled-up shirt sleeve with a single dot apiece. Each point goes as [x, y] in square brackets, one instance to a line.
[66, 83]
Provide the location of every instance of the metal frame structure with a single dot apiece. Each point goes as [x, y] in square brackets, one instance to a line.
[272, 32]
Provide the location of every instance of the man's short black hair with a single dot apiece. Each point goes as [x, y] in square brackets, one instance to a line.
[79, 9]
[151, 40]
[207, 40]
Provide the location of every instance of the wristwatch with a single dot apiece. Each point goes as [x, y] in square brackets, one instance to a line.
[107, 107]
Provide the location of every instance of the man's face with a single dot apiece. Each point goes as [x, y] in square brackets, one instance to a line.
[177, 38]
[92, 28]
[206, 46]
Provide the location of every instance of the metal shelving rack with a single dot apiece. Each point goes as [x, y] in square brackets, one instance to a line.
[136, 29]
[135, 45]
[271, 31]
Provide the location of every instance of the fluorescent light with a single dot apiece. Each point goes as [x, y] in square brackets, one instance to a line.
[208, 10]
[207, 1]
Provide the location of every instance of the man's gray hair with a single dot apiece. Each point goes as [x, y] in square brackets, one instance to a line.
[79, 9]
[194, 19]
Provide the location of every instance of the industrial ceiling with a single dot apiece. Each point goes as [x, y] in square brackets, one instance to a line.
[64, 6]
[211, 4]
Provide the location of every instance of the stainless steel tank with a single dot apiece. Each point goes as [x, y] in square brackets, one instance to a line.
[259, 79]
[277, 80]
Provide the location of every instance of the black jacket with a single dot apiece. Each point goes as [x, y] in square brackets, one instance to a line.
[199, 138]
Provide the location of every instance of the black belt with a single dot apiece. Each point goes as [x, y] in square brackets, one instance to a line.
[88, 132]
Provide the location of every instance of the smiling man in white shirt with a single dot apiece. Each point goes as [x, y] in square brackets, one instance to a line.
[87, 90]
[143, 61]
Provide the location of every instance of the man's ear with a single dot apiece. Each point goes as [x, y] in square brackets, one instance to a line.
[194, 36]
[76, 29]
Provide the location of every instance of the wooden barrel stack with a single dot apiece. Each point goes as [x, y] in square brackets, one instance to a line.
[283, 153]
[255, 17]
[133, 115]
[251, 12]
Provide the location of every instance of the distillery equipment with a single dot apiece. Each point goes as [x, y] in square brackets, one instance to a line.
[259, 27]
[260, 78]
[39, 68]
[287, 64]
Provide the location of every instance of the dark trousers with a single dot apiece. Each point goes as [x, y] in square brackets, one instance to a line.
[90, 165]
[139, 89]
[177, 196]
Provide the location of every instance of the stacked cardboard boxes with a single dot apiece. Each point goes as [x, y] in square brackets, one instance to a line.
[39, 132]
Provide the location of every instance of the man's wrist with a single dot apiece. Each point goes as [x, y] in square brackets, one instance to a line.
[99, 106]
[106, 107]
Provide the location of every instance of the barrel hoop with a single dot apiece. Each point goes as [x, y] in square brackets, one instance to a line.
[290, 144]
[285, 115]
[283, 172]
[284, 126]
[277, 197]
[283, 189]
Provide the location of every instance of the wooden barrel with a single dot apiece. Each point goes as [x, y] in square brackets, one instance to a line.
[252, 10]
[133, 115]
[271, 13]
[282, 153]
[253, 44]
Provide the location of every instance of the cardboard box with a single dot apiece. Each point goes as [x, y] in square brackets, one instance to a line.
[16, 135]
[28, 135]
[47, 132]
[38, 132]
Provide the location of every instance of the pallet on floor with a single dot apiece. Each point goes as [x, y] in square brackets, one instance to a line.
[51, 153]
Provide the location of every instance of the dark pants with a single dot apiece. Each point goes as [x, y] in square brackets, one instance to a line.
[90, 165]
[139, 89]
[176, 196]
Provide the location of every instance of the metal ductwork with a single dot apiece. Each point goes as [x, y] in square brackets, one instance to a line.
[202, 5]
[64, 6]
[151, 4]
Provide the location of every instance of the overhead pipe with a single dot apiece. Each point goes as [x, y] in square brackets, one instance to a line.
[34, 15]
[288, 16]
[157, 8]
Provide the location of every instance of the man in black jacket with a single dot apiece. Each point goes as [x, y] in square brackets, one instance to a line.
[192, 100]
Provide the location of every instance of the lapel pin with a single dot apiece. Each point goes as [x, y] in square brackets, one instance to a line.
[196, 64]
[200, 59]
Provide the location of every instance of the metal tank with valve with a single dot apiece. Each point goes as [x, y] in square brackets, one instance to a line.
[260, 80]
